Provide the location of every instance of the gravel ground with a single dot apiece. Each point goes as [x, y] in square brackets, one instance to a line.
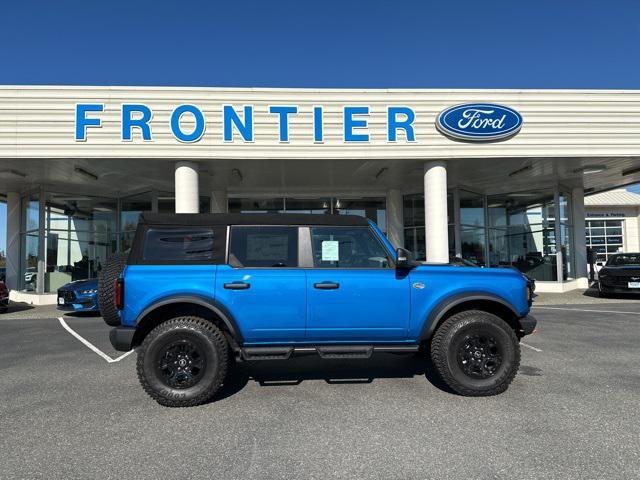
[571, 413]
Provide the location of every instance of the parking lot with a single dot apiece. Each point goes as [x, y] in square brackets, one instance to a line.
[69, 412]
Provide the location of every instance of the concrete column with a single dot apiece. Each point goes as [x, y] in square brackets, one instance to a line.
[219, 201]
[13, 241]
[579, 244]
[186, 185]
[42, 244]
[435, 211]
[395, 222]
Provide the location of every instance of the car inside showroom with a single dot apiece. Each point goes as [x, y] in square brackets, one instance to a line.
[81, 163]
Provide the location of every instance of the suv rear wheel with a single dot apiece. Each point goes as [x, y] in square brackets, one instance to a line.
[476, 353]
[183, 362]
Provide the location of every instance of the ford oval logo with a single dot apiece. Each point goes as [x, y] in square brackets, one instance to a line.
[479, 122]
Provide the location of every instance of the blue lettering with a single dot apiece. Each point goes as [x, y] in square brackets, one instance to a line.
[318, 134]
[198, 130]
[351, 123]
[231, 119]
[283, 112]
[82, 122]
[406, 123]
[128, 123]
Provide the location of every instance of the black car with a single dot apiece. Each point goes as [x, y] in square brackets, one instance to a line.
[621, 274]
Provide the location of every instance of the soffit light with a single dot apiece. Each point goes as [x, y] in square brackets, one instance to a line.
[631, 171]
[85, 173]
[12, 174]
[237, 174]
[588, 169]
[381, 172]
[520, 170]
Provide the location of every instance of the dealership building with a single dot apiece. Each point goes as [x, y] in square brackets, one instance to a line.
[496, 177]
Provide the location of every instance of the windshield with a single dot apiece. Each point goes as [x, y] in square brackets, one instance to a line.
[626, 259]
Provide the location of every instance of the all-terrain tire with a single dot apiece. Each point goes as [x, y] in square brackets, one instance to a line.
[106, 288]
[454, 350]
[159, 357]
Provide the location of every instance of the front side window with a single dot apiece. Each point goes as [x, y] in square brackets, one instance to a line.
[347, 247]
[263, 247]
[178, 245]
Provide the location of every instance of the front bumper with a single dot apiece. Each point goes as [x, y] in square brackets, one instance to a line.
[618, 289]
[527, 325]
[122, 338]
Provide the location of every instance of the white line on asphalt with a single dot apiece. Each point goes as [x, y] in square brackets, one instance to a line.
[90, 345]
[587, 310]
[529, 346]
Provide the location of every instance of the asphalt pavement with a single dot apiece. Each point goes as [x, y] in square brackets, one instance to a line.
[571, 413]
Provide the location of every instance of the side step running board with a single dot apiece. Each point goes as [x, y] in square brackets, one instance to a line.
[345, 351]
[324, 351]
[266, 353]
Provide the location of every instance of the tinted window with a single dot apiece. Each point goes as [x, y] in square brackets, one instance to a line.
[348, 247]
[264, 247]
[180, 245]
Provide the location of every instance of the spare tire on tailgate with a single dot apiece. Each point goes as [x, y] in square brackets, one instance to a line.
[106, 288]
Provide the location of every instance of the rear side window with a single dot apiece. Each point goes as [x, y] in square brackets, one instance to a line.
[347, 247]
[178, 245]
[263, 247]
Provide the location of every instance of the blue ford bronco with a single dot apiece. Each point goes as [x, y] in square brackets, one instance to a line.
[197, 292]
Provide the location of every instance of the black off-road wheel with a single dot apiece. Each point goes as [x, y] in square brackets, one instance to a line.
[475, 353]
[106, 288]
[183, 362]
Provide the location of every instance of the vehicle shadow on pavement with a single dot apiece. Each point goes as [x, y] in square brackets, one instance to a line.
[274, 373]
[81, 314]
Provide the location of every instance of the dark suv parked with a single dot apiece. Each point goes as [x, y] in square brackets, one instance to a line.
[197, 291]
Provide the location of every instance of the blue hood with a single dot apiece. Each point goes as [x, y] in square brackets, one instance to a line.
[88, 284]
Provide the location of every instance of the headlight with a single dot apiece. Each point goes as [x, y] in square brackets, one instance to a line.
[89, 292]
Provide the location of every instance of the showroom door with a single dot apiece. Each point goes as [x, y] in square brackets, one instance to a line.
[353, 291]
[262, 286]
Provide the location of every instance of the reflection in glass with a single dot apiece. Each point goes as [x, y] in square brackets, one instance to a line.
[374, 209]
[522, 233]
[307, 205]
[79, 237]
[256, 205]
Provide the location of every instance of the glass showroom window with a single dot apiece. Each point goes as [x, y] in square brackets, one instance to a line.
[605, 237]
[167, 203]
[373, 208]
[29, 238]
[413, 221]
[130, 209]
[472, 227]
[522, 232]
[565, 227]
[256, 205]
[80, 235]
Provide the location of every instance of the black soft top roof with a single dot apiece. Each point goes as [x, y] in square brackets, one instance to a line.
[211, 219]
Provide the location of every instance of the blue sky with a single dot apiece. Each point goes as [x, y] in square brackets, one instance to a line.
[346, 43]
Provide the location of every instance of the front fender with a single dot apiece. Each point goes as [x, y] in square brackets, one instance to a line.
[449, 303]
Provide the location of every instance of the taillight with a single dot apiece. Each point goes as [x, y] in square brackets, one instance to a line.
[119, 293]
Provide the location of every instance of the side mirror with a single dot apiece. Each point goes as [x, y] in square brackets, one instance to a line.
[599, 264]
[404, 259]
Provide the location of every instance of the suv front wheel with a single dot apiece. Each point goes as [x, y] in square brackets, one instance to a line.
[183, 361]
[475, 353]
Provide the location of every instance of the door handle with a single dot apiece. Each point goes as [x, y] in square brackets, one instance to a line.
[327, 285]
[237, 286]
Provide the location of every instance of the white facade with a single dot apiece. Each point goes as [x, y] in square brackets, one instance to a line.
[613, 222]
[518, 201]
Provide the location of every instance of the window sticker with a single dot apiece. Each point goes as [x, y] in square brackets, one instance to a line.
[330, 249]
